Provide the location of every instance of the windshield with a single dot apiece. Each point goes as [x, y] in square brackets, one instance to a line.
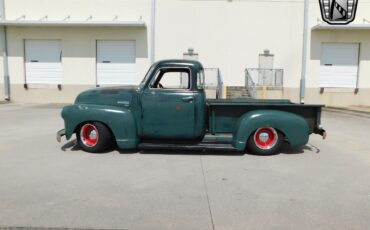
[147, 75]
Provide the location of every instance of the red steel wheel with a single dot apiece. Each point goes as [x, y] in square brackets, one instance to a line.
[265, 141]
[89, 135]
[95, 137]
[265, 138]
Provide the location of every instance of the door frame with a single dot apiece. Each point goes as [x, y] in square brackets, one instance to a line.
[147, 90]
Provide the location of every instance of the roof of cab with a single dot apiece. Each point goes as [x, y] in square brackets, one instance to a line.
[179, 63]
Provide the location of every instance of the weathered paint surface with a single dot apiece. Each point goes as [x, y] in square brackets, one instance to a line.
[121, 121]
[141, 113]
[294, 127]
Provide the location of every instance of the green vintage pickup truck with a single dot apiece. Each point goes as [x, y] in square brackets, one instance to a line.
[169, 110]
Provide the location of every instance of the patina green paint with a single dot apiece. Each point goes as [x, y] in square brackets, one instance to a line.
[200, 114]
[166, 115]
[294, 127]
[226, 113]
[140, 113]
[119, 120]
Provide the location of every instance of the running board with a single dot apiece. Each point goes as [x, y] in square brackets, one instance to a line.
[195, 146]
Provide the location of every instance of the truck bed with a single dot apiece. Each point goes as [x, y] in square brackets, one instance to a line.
[224, 113]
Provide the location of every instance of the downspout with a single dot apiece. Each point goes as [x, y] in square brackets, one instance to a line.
[152, 32]
[304, 54]
[4, 45]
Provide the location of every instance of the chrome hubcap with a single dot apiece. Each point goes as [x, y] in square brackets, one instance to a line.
[264, 137]
[93, 135]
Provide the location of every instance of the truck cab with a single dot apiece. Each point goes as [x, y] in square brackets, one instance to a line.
[173, 101]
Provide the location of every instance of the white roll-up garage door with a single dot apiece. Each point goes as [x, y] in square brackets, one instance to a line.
[339, 65]
[43, 61]
[116, 62]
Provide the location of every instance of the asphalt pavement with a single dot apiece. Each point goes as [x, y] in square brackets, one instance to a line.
[43, 183]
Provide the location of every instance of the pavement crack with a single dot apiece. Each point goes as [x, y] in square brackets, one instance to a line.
[206, 191]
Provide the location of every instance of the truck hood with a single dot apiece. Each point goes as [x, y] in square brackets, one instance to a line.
[113, 96]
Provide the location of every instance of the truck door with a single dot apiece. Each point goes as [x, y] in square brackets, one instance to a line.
[168, 105]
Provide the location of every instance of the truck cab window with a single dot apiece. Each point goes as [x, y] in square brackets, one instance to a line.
[171, 79]
[200, 80]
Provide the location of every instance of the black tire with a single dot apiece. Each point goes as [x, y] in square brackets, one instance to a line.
[103, 137]
[259, 145]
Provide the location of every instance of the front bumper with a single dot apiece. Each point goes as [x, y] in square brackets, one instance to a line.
[60, 134]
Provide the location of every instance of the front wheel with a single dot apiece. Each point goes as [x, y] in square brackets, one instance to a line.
[94, 137]
[265, 141]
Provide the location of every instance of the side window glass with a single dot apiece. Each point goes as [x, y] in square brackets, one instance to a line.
[200, 80]
[171, 79]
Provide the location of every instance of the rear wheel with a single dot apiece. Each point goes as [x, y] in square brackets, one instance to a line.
[94, 137]
[265, 141]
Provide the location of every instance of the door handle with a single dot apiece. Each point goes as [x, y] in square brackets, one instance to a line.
[187, 99]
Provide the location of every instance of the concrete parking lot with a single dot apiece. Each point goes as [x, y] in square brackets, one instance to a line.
[324, 185]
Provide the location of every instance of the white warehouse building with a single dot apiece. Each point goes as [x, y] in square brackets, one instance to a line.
[54, 49]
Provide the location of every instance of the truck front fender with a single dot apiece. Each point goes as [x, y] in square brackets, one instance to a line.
[293, 126]
[119, 120]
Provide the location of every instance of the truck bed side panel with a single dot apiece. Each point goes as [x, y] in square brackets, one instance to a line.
[223, 114]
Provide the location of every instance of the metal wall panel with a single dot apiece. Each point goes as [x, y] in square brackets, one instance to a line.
[116, 62]
[339, 65]
[43, 62]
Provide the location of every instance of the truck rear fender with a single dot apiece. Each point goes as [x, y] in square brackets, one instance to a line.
[292, 126]
[119, 120]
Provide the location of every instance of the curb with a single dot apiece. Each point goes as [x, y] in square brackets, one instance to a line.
[348, 111]
[36, 104]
